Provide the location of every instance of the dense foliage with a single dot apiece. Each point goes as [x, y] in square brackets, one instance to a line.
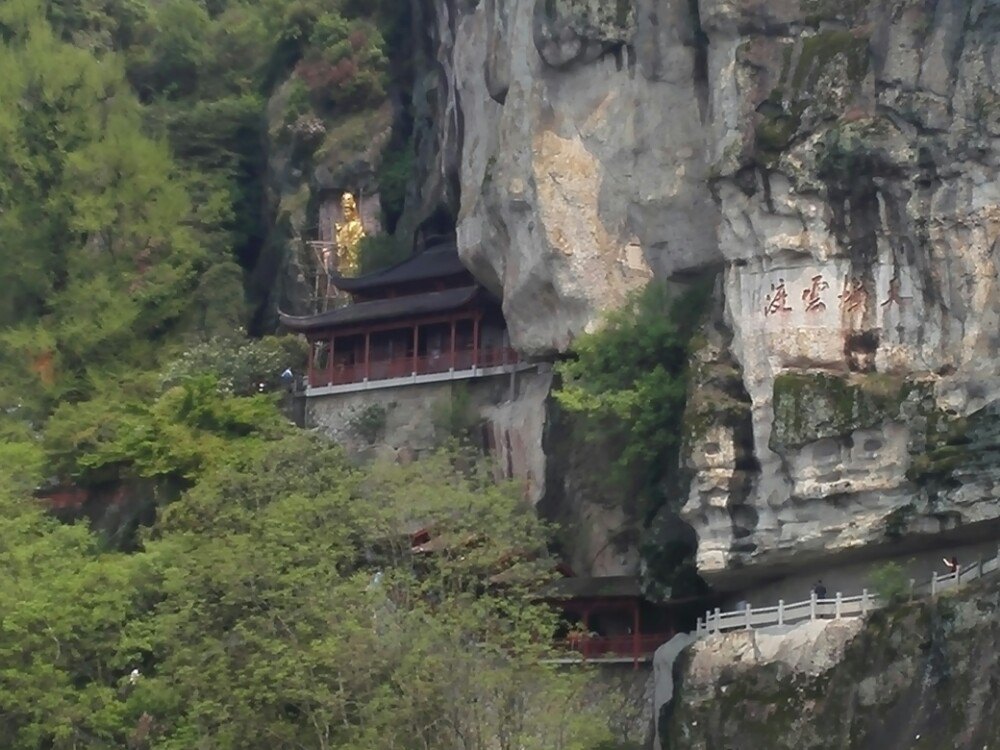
[280, 604]
[132, 168]
[273, 599]
[628, 380]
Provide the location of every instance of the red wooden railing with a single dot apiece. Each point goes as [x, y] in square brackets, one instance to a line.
[597, 646]
[401, 367]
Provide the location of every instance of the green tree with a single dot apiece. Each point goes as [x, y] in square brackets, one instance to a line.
[64, 605]
[241, 366]
[99, 244]
[184, 432]
[296, 614]
[890, 583]
[628, 380]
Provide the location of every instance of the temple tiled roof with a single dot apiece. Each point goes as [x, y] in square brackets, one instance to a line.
[383, 309]
[440, 261]
[604, 587]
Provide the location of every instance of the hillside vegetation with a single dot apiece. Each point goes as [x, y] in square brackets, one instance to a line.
[271, 597]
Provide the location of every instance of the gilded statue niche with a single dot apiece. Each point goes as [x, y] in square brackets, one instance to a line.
[348, 234]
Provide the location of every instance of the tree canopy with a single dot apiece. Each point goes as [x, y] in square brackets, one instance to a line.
[280, 604]
[628, 380]
[274, 598]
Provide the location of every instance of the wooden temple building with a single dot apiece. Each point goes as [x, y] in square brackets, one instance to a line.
[424, 320]
[608, 619]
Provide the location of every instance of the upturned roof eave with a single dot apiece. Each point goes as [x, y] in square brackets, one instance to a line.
[382, 310]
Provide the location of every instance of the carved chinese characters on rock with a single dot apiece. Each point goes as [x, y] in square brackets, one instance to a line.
[777, 300]
[854, 297]
[812, 294]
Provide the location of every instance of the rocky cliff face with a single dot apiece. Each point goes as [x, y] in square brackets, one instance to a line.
[920, 676]
[837, 160]
[583, 169]
[856, 150]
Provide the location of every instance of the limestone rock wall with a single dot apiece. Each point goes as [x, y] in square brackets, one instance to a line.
[838, 161]
[583, 169]
[856, 149]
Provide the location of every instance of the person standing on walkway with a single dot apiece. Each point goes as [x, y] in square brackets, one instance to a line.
[820, 590]
[952, 564]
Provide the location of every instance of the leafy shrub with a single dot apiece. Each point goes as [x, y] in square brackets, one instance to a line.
[454, 417]
[188, 428]
[380, 251]
[298, 102]
[241, 367]
[890, 583]
[629, 379]
[394, 175]
[368, 422]
[345, 65]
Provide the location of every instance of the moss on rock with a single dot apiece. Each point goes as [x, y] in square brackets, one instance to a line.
[822, 50]
[813, 406]
[819, 65]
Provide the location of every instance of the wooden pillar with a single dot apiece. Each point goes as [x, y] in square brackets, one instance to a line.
[475, 340]
[453, 324]
[635, 634]
[416, 343]
[368, 354]
[312, 364]
[329, 364]
[586, 632]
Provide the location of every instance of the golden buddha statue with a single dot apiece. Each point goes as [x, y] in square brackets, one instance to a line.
[349, 233]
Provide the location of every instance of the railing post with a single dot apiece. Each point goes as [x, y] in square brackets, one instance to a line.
[453, 326]
[368, 355]
[913, 586]
[864, 602]
[718, 620]
[838, 606]
[747, 610]
[980, 568]
[329, 365]
[781, 611]
[475, 341]
[812, 606]
[416, 343]
[310, 368]
[933, 584]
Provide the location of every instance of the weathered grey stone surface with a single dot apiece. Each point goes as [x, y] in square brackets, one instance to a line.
[403, 423]
[516, 428]
[584, 156]
[918, 677]
[663, 675]
[856, 150]
[838, 160]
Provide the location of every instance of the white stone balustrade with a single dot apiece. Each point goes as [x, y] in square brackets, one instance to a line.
[748, 618]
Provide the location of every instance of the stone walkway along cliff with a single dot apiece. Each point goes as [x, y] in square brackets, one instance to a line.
[748, 618]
